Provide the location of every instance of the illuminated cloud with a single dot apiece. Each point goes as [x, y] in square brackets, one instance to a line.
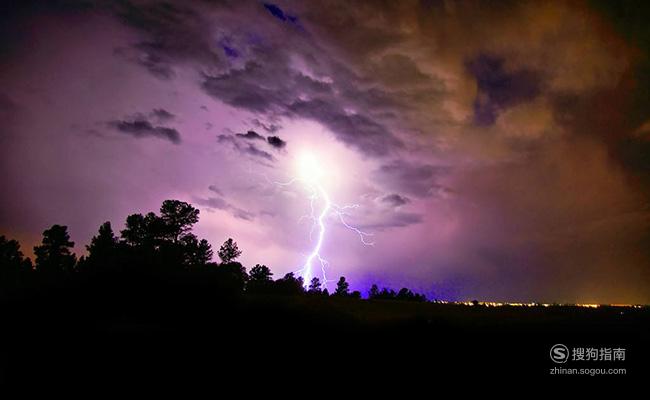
[497, 150]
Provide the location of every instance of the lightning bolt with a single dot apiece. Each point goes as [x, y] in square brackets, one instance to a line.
[321, 209]
[319, 218]
[306, 272]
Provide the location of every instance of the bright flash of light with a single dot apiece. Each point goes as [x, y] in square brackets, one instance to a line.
[309, 168]
[311, 173]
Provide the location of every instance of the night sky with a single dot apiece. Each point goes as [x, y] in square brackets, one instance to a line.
[495, 150]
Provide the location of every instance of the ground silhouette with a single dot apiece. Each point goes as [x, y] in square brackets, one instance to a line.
[152, 303]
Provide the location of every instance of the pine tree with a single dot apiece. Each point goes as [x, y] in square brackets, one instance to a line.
[229, 251]
[342, 287]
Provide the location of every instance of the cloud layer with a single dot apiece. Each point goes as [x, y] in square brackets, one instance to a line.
[496, 151]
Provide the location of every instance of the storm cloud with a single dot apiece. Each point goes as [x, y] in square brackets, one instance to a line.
[219, 203]
[244, 147]
[276, 142]
[139, 127]
[501, 149]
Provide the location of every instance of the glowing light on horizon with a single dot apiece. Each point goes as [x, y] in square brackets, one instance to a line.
[515, 304]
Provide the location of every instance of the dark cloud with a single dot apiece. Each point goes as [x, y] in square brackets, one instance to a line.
[139, 128]
[254, 88]
[245, 148]
[174, 34]
[278, 13]
[266, 80]
[257, 87]
[499, 88]
[155, 64]
[268, 127]
[250, 135]
[255, 152]
[162, 115]
[354, 129]
[273, 141]
[228, 49]
[395, 200]
[276, 142]
[220, 204]
[412, 178]
[334, 20]
[395, 219]
[401, 219]
[212, 202]
[215, 189]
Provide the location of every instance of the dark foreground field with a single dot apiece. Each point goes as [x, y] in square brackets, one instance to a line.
[152, 333]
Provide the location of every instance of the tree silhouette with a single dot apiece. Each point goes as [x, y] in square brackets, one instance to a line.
[102, 249]
[260, 273]
[229, 251]
[154, 248]
[196, 253]
[134, 232]
[178, 218]
[104, 242]
[387, 294]
[420, 297]
[315, 286]
[232, 276]
[13, 265]
[404, 294]
[289, 285]
[143, 231]
[342, 287]
[373, 293]
[166, 241]
[407, 295]
[259, 279]
[53, 255]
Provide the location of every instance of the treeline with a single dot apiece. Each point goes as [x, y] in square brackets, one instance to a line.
[159, 245]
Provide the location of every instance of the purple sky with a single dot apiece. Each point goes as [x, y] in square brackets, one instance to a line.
[497, 153]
